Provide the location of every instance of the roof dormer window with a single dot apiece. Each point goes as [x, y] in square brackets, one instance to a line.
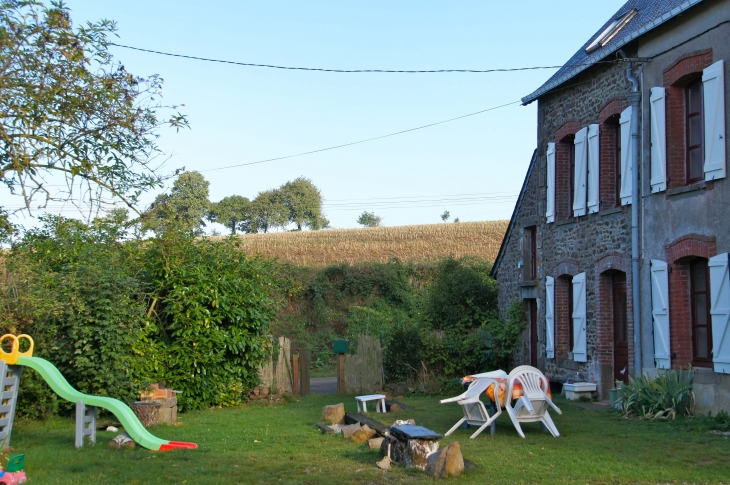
[610, 32]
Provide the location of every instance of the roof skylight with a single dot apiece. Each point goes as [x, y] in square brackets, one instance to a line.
[610, 32]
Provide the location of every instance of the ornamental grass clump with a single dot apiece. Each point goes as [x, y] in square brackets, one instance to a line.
[666, 397]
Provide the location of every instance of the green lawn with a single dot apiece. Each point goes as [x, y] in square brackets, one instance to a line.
[279, 444]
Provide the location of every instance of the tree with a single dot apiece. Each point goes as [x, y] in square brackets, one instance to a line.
[184, 207]
[233, 211]
[69, 111]
[445, 216]
[369, 219]
[304, 201]
[268, 211]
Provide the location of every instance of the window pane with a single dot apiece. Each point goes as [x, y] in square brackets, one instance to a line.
[695, 101]
[695, 131]
[695, 163]
[701, 352]
[699, 272]
[700, 310]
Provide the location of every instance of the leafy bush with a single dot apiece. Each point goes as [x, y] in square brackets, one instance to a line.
[666, 397]
[463, 295]
[74, 288]
[209, 317]
[721, 421]
[112, 314]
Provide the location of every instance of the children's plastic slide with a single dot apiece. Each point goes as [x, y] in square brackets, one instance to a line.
[60, 386]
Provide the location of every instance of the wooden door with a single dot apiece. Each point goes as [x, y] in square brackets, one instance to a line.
[620, 329]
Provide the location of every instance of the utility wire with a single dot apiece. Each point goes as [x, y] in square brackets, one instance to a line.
[419, 197]
[360, 141]
[291, 68]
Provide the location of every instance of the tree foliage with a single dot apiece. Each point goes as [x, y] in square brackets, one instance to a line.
[68, 111]
[369, 219]
[268, 211]
[184, 207]
[233, 211]
[304, 201]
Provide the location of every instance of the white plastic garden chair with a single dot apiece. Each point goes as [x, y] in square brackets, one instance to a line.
[533, 405]
[474, 411]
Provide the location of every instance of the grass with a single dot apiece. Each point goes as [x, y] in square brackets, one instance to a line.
[279, 444]
[408, 243]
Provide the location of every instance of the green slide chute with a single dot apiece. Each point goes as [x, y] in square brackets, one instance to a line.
[124, 414]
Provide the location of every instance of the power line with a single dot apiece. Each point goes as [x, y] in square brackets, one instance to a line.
[424, 201]
[360, 141]
[441, 205]
[417, 197]
[319, 69]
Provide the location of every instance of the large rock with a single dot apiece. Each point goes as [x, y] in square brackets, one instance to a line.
[350, 429]
[363, 434]
[374, 443]
[334, 414]
[447, 462]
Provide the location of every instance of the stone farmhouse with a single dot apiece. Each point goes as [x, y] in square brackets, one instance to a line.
[618, 244]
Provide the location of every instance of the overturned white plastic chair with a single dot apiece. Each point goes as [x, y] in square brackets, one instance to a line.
[474, 411]
[534, 403]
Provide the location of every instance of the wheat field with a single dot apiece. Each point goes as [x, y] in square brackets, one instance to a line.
[408, 243]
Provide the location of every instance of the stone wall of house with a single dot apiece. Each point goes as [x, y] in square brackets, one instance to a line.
[569, 245]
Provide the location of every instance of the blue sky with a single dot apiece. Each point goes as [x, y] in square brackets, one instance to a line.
[244, 114]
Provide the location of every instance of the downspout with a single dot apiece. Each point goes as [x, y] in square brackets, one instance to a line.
[634, 99]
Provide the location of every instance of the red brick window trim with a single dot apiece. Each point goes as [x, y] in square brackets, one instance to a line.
[677, 77]
[681, 254]
[565, 169]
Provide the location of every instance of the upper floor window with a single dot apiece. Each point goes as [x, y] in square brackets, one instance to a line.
[694, 131]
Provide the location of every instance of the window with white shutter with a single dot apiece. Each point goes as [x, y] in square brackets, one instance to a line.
[714, 108]
[593, 170]
[720, 312]
[580, 353]
[625, 190]
[550, 317]
[658, 140]
[581, 173]
[550, 212]
[660, 313]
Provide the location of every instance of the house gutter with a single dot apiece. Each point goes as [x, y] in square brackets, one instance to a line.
[634, 99]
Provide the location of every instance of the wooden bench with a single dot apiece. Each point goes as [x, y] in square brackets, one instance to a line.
[379, 402]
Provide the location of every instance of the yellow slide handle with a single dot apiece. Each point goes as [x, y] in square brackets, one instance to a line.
[12, 357]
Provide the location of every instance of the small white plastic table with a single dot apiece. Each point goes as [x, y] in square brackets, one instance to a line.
[379, 402]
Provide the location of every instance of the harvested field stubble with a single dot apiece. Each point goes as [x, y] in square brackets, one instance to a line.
[408, 243]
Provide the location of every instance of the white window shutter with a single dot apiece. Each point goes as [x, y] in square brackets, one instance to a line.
[713, 81]
[660, 313]
[550, 317]
[658, 140]
[625, 124]
[580, 353]
[581, 173]
[593, 169]
[720, 311]
[550, 212]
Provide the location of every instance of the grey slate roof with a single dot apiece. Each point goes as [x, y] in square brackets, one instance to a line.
[650, 14]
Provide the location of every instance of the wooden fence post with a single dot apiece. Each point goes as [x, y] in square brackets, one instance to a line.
[295, 374]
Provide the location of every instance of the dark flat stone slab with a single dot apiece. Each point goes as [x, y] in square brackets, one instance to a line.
[352, 418]
[412, 432]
